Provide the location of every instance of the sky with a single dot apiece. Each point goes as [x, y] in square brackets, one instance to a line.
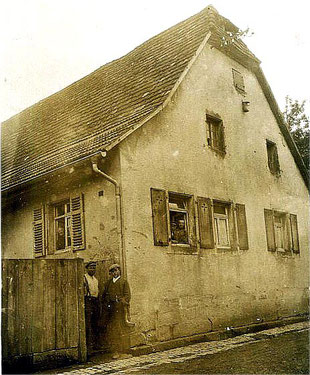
[45, 45]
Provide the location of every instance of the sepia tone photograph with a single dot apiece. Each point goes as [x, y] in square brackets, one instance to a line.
[154, 187]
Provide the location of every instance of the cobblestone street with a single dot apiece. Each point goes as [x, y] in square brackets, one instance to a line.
[284, 348]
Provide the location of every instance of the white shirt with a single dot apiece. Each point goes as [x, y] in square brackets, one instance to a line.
[92, 285]
[115, 279]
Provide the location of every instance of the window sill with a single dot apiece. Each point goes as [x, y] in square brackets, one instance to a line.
[183, 249]
[63, 250]
[222, 249]
[218, 151]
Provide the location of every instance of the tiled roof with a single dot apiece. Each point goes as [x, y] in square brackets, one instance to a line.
[96, 111]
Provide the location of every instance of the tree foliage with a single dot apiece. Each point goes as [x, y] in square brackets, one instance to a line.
[299, 126]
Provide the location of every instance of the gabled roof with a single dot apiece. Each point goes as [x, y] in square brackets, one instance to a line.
[101, 109]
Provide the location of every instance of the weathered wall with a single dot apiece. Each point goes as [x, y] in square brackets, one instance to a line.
[178, 294]
[99, 213]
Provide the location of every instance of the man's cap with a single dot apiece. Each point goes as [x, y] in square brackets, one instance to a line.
[89, 264]
[111, 268]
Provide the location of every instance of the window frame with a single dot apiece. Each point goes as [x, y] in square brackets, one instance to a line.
[184, 211]
[212, 122]
[66, 216]
[218, 216]
[44, 226]
[273, 158]
[289, 232]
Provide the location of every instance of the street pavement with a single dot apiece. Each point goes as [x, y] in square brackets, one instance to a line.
[197, 358]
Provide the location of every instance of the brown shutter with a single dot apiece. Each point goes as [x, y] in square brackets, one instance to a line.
[160, 217]
[294, 233]
[232, 227]
[205, 223]
[77, 223]
[242, 227]
[271, 245]
[221, 137]
[192, 222]
[38, 232]
[287, 234]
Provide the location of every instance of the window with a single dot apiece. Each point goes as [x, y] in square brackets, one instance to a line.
[221, 226]
[59, 226]
[273, 160]
[215, 130]
[173, 219]
[62, 221]
[178, 215]
[238, 81]
[281, 231]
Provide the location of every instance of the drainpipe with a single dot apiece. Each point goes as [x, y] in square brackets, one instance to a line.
[119, 217]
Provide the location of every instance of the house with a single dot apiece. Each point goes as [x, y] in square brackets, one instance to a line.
[175, 161]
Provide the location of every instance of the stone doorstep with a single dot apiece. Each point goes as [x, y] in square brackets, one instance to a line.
[215, 335]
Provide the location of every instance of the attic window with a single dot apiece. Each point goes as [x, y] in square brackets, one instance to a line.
[215, 134]
[273, 159]
[238, 81]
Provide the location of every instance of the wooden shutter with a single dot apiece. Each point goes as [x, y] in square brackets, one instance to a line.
[77, 223]
[38, 231]
[192, 222]
[294, 233]
[242, 227]
[221, 137]
[287, 234]
[206, 235]
[232, 227]
[238, 80]
[160, 217]
[271, 244]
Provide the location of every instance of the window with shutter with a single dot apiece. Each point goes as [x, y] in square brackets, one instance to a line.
[281, 231]
[39, 232]
[242, 227]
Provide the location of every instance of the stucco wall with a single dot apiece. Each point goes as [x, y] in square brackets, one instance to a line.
[181, 294]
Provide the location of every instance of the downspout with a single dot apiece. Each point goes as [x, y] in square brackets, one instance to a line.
[119, 216]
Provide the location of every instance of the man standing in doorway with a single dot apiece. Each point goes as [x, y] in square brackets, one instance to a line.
[116, 297]
[91, 292]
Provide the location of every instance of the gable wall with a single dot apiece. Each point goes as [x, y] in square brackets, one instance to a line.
[179, 294]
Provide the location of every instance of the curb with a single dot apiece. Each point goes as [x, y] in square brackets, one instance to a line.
[224, 334]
